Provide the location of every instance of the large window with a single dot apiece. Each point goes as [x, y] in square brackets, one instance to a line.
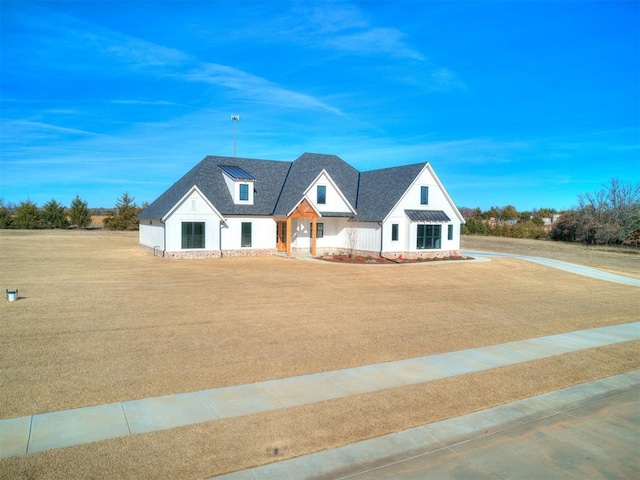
[394, 232]
[322, 194]
[245, 241]
[428, 237]
[424, 195]
[244, 191]
[192, 235]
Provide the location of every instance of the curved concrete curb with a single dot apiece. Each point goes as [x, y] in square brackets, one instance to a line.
[567, 267]
[368, 455]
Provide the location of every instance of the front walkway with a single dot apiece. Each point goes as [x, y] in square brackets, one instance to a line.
[39, 432]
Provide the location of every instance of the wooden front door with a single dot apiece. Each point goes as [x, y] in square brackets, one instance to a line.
[281, 236]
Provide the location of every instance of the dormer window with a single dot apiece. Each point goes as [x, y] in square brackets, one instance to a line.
[240, 184]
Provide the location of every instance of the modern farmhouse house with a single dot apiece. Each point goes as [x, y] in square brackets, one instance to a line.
[317, 204]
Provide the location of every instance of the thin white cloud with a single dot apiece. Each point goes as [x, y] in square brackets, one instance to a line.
[255, 87]
[344, 29]
[81, 45]
[17, 128]
[374, 41]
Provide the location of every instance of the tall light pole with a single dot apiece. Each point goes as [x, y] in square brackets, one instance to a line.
[235, 119]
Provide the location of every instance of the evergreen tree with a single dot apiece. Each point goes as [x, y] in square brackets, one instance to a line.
[125, 217]
[79, 213]
[27, 216]
[6, 219]
[54, 215]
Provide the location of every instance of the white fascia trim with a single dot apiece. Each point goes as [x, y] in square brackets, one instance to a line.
[344, 199]
[185, 196]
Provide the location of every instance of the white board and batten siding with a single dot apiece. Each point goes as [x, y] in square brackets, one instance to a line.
[193, 208]
[333, 233]
[407, 230]
[263, 233]
[152, 234]
[334, 200]
[367, 236]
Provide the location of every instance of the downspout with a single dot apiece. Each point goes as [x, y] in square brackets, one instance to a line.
[220, 237]
[164, 234]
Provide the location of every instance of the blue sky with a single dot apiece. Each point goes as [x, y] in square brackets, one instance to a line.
[521, 103]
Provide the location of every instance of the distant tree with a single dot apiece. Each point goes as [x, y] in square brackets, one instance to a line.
[524, 216]
[467, 212]
[609, 216]
[6, 218]
[54, 215]
[79, 214]
[565, 229]
[475, 225]
[544, 212]
[509, 213]
[125, 217]
[493, 212]
[27, 216]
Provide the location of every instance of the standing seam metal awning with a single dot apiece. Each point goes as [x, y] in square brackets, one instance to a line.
[427, 216]
[236, 173]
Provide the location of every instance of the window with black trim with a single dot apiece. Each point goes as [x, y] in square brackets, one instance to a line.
[245, 240]
[244, 192]
[394, 232]
[192, 235]
[319, 229]
[424, 195]
[321, 194]
[429, 237]
[449, 232]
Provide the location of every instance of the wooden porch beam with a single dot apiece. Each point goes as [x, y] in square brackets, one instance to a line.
[288, 236]
[313, 235]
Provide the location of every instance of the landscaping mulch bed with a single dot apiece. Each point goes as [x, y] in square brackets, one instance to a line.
[358, 259]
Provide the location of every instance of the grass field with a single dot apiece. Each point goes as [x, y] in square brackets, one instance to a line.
[99, 320]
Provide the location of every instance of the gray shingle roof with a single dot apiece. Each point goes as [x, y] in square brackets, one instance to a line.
[305, 170]
[279, 186]
[381, 189]
[269, 177]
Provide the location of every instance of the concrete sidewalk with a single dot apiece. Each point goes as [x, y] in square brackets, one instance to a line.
[36, 433]
[585, 431]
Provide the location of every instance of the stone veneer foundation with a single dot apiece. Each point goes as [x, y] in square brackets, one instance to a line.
[247, 252]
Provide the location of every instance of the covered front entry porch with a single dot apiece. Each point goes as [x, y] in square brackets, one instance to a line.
[284, 227]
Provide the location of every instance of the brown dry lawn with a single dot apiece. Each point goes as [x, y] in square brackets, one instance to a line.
[99, 321]
[623, 261]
